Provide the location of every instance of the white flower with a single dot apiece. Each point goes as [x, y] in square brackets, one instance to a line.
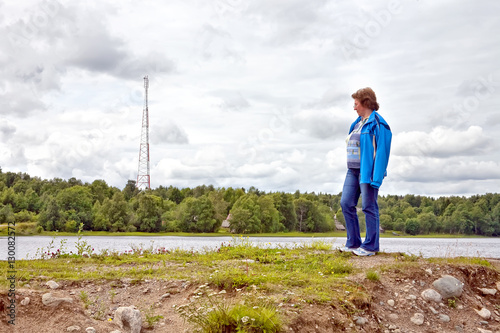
[245, 319]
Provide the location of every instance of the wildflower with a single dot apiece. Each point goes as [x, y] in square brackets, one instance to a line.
[245, 319]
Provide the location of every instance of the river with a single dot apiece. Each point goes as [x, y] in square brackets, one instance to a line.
[27, 247]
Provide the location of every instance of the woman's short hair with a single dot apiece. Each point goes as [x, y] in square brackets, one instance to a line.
[367, 98]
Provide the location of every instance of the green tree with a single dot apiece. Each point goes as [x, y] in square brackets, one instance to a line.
[76, 203]
[197, 215]
[149, 211]
[284, 204]
[245, 215]
[412, 226]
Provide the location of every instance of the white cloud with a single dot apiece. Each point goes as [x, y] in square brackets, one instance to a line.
[250, 93]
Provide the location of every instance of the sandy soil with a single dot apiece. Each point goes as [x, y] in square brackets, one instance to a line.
[403, 287]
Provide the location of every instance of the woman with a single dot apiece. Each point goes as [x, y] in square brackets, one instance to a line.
[368, 147]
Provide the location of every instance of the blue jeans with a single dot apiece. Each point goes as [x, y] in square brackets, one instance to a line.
[350, 195]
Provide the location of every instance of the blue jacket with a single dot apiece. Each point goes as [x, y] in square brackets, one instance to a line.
[375, 145]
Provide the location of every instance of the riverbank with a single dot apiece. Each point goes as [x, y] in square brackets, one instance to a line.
[310, 288]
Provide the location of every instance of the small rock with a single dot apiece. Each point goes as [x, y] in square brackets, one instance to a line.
[90, 330]
[360, 321]
[25, 301]
[411, 297]
[115, 331]
[428, 271]
[444, 318]
[434, 311]
[498, 285]
[487, 291]
[431, 295]
[459, 328]
[484, 313]
[391, 302]
[167, 295]
[448, 286]
[392, 327]
[417, 319]
[393, 316]
[73, 328]
[129, 316]
[146, 290]
[52, 284]
[482, 330]
[49, 300]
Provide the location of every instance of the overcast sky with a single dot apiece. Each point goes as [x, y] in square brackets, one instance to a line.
[251, 93]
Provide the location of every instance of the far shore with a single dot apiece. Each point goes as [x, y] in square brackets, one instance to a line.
[226, 233]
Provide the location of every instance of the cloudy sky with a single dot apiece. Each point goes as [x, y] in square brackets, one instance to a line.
[251, 93]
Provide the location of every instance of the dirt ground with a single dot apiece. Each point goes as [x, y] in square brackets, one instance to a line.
[158, 297]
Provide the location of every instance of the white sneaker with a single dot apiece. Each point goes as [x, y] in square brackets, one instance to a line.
[363, 253]
[347, 249]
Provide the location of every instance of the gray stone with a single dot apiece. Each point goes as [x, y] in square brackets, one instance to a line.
[484, 313]
[73, 328]
[487, 291]
[393, 316]
[25, 301]
[444, 318]
[434, 311]
[90, 330]
[417, 319]
[391, 302]
[360, 321]
[129, 317]
[431, 295]
[49, 300]
[52, 284]
[392, 327]
[482, 330]
[448, 286]
[167, 295]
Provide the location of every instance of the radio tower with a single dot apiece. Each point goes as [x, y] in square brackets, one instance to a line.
[143, 177]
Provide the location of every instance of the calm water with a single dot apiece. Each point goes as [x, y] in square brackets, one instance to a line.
[26, 247]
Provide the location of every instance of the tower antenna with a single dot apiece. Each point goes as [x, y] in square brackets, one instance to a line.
[143, 177]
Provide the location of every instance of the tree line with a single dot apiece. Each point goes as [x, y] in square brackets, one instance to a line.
[64, 205]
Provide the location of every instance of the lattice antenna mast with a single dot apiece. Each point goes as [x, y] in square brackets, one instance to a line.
[143, 177]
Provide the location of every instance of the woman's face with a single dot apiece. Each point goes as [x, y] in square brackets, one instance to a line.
[360, 109]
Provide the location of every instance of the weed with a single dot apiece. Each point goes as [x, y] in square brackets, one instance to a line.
[151, 318]
[85, 299]
[452, 303]
[213, 314]
[112, 294]
[83, 247]
[373, 275]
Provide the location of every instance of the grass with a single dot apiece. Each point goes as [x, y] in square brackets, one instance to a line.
[307, 273]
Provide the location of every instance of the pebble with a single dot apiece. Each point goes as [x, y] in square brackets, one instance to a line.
[434, 311]
[417, 319]
[90, 330]
[52, 284]
[431, 295]
[498, 285]
[444, 318]
[487, 291]
[393, 316]
[484, 313]
[392, 327]
[360, 321]
[73, 328]
[25, 301]
[481, 330]
[391, 302]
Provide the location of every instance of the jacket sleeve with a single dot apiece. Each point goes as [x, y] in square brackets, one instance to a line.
[383, 141]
